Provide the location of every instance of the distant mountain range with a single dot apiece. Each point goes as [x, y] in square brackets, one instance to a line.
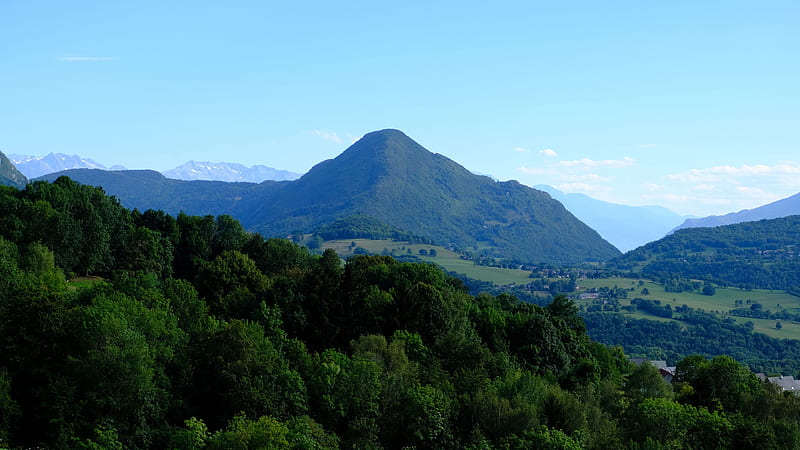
[627, 227]
[781, 208]
[37, 166]
[222, 171]
[391, 178]
[9, 175]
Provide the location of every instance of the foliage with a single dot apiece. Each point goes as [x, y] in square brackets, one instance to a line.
[201, 336]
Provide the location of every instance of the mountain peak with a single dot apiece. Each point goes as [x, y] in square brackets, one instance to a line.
[390, 177]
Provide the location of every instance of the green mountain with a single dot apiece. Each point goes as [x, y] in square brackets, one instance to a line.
[391, 179]
[763, 254]
[9, 175]
[148, 189]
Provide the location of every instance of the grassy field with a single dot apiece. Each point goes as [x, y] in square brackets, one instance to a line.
[450, 260]
[83, 282]
[720, 303]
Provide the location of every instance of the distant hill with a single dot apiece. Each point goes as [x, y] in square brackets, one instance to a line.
[627, 227]
[763, 254]
[388, 177]
[36, 166]
[781, 208]
[9, 175]
[232, 172]
[148, 189]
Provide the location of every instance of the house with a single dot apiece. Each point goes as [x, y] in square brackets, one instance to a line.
[786, 382]
[667, 372]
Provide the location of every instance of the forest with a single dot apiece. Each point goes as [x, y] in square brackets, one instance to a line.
[129, 329]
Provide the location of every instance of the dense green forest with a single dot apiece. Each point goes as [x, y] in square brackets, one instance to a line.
[188, 332]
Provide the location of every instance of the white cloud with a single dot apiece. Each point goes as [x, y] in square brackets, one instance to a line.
[704, 187]
[549, 152]
[584, 188]
[652, 186]
[587, 163]
[586, 178]
[521, 150]
[86, 58]
[536, 170]
[716, 173]
[328, 136]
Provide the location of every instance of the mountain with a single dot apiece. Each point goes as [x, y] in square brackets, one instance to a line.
[781, 208]
[627, 227]
[232, 172]
[390, 177]
[148, 189]
[763, 254]
[9, 175]
[36, 166]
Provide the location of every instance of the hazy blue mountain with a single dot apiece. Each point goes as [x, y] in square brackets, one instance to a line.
[9, 175]
[388, 176]
[627, 227]
[782, 208]
[36, 166]
[223, 171]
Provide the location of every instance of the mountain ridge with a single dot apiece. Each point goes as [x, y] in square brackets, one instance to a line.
[469, 209]
[781, 208]
[388, 176]
[226, 171]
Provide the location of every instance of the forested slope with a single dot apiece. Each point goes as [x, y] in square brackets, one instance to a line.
[200, 335]
[763, 254]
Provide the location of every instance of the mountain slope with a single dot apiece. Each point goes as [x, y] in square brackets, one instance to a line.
[231, 172]
[9, 175]
[148, 189]
[37, 166]
[388, 176]
[781, 208]
[627, 227]
[391, 178]
[763, 254]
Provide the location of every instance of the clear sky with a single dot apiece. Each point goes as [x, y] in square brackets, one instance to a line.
[692, 105]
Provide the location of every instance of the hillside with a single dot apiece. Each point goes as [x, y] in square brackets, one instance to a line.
[148, 189]
[9, 175]
[390, 177]
[761, 254]
[781, 208]
[626, 227]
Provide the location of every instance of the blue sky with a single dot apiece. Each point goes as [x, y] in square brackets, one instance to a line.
[694, 106]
